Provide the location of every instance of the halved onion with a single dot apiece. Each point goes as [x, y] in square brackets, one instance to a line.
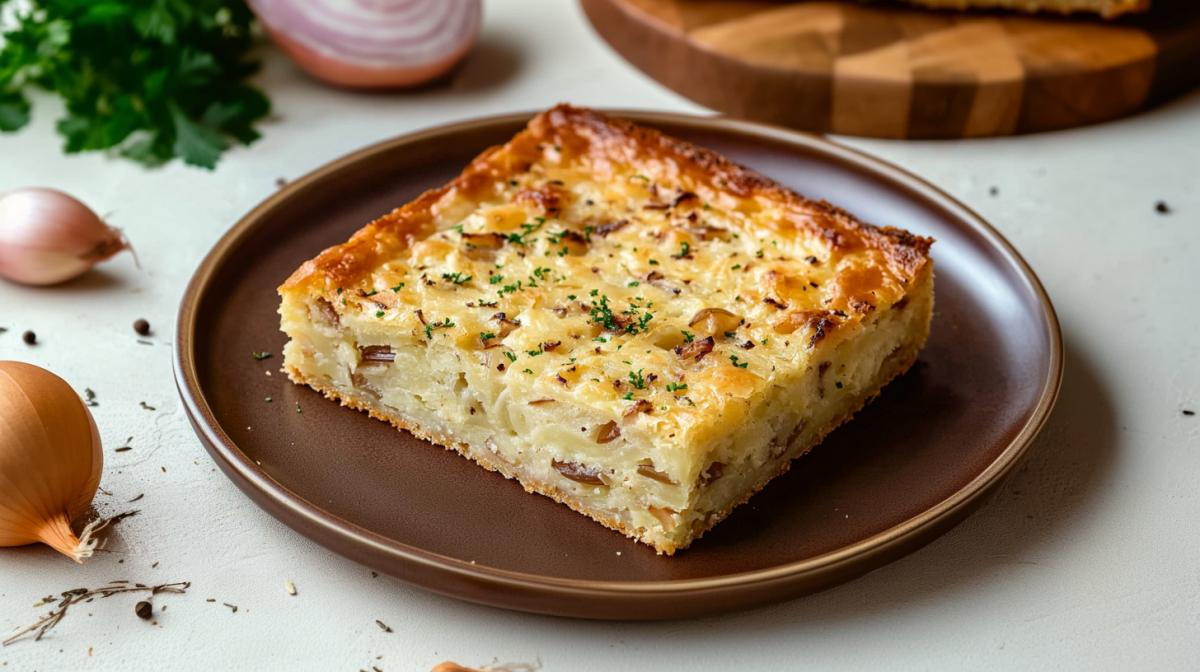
[372, 43]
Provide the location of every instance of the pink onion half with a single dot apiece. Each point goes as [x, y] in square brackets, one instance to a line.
[372, 43]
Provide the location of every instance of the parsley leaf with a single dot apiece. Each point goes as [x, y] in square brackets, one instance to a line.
[149, 80]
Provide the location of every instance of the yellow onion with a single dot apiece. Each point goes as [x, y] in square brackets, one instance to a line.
[50, 461]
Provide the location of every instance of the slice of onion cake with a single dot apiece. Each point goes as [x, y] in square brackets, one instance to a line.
[631, 325]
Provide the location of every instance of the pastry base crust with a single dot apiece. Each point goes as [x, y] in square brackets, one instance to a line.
[902, 360]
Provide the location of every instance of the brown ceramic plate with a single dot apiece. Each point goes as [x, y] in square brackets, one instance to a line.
[907, 468]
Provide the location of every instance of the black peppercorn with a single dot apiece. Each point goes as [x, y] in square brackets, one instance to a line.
[144, 609]
[29, 337]
[142, 327]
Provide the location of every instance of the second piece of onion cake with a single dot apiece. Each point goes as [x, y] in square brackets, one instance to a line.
[631, 325]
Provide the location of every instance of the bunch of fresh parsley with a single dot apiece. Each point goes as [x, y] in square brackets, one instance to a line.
[148, 79]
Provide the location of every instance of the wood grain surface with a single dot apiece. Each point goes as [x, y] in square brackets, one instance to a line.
[893, 71]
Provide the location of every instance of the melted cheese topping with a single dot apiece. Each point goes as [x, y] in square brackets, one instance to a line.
[631, 287]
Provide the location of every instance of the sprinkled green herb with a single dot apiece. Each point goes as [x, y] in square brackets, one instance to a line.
[458, 227]
[838, 384]
[495, 279]
[587, 232]
[734, 359]
[628, 396]
[379, 313]
[637, 380]
[526, 229]
[654, 262]
[398, 287]
[534, 353]
[486, 335]
[735, 267]
[633, 283]
[764, 341]
[339, 291]
[456, 278]
[261, 355]
[639, 177]
[511, 357]
[343, 300]
[445, 324]
[298, 407]
[509, 289]
[570, 297]
[758, 253]
[513, 182]
[373, 292]
[730, 334]
[675, 387]
[600, 339]
[685, 250]
[527, 371]
[687, 338]
[268, 399]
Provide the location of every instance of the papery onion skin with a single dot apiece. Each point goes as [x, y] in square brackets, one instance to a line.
[373, 44]
[51, 460]
[48, 237]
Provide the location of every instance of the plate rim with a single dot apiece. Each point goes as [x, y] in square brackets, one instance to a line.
[240, 469]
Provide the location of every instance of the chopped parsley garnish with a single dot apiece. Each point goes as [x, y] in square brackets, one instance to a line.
[758, 253]
[633, 283]
[735, 267]
[509, 289]
[570, 297]
[764, 341]
[557, 236]
[456, 278]
[511, 357]
[587, 232]
[261, 355]
[445, 324]
[687, 338]
[373, 292]
[339, 291]
[734, 359]
[398, 287]
[637, 380]
[526, 229]
[628, 396]
[675, 387]
[534, 353]
[379, 313]
[486, 335]
[654, 262]
[528, 371]
[639, 177]
[730, 334]
[495, 279]
[513, 182]
[685, 250]
[838, 384]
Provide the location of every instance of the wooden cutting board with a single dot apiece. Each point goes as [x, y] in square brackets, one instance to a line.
[893, 71]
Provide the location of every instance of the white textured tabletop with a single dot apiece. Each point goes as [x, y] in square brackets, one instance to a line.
[1087, 558]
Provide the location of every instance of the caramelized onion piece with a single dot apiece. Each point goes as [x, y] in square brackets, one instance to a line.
[696, 349]
[538, 402]
[712, 473]
[507, 326]
[714, 321]
[609, 432]
[377, 353]
[580, 473]
[650, 472]
[642, 406]
[326, 313]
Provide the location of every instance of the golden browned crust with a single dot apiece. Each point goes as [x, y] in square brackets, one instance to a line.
[904, 359]
[601, 144]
